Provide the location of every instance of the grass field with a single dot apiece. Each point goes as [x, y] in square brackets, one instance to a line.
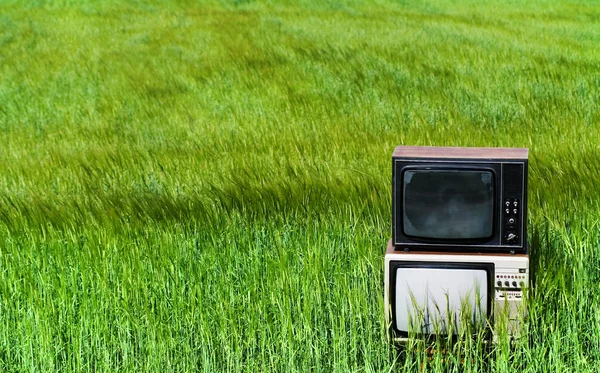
[205, 186]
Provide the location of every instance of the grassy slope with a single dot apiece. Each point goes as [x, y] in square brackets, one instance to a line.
[207, 186]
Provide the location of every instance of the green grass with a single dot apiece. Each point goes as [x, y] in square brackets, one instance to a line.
[205, 186]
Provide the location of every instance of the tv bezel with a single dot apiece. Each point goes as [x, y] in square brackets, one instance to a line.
[444, 241]
[488, 267]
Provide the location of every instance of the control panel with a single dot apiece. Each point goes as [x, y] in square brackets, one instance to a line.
[509, 308]
[510, 286]
[511, 214]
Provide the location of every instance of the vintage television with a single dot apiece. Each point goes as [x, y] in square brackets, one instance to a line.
[429, 293]
[459, 199]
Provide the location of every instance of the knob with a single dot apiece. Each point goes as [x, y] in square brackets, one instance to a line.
[515, 211]
[499, 283]
[514, 283]
[506, 284]
[522, 284]
[516, 203]
[511, 237]
[511, 221]
[507, 211]
[507, 203]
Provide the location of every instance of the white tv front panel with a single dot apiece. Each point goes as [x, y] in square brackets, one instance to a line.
[438, 289]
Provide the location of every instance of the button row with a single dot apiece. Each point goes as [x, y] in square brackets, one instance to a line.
[508, 284]
[511, 276]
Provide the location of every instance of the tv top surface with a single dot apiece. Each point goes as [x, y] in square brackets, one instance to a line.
[460, 152]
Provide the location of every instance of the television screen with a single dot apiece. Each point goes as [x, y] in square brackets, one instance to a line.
[448, 204]
[427, 300]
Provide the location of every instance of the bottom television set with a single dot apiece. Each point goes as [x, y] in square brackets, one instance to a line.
[429, 293]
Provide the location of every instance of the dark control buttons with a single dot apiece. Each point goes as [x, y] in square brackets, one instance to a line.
[512, 283]
[514, 203]
[511, 221]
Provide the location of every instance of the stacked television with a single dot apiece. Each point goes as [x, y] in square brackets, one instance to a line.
[458, 260]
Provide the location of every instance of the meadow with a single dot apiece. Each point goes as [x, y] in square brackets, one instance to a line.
[206, 186]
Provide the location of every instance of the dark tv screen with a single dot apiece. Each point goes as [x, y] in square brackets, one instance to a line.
[448, 204]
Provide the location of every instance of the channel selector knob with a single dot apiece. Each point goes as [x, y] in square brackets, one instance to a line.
[514, 283]
[511, 237]
[506, 284]
[499, 283]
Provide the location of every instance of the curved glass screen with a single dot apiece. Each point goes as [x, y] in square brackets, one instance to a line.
[436, 300]
[448, 204]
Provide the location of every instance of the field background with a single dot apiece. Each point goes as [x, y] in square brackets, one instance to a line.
[205, 186]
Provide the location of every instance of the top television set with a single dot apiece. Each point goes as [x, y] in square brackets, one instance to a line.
[459, 199]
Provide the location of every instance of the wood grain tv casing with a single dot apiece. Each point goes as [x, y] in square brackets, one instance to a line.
[509, 168]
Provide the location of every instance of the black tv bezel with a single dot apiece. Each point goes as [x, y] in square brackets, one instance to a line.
[395, 264]
[466, 241]
[496, 243]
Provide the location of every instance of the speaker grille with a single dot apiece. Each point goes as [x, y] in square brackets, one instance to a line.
[512, 176]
